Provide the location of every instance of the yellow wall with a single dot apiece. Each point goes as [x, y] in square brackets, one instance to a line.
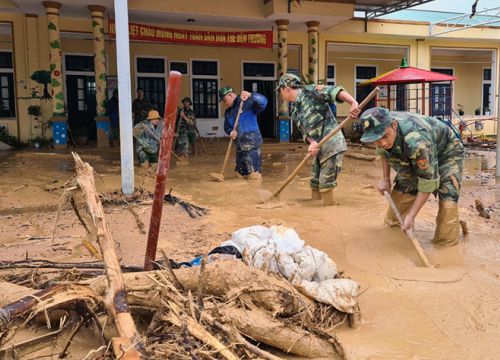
[31, 50]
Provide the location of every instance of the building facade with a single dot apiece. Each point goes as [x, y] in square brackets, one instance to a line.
[61, 57]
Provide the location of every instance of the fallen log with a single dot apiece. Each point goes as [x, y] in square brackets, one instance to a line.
[260, 326]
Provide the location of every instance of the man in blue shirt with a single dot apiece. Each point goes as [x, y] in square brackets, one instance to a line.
[247, 134]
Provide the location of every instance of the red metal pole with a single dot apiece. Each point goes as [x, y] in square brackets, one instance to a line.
[165, 153]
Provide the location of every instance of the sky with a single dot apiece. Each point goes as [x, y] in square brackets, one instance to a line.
[462, 6]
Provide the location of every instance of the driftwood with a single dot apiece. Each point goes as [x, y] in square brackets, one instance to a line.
[115, 298]
[240, 302]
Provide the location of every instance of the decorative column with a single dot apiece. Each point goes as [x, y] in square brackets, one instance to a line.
[283, 113]
[312, 41]
[59, 119]
[102, 121]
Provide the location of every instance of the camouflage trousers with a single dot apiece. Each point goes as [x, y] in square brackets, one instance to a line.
[324, 175]
[144, 156]
[449, 187]
[185, 142]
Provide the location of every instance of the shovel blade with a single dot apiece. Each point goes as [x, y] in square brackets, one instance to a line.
[217, 176]
[267, 196]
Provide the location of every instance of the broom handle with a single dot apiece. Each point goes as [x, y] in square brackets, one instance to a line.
[324, 140]
[409, 233]
[228, 151]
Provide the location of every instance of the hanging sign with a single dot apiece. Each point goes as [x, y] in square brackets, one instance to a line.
[247, 39]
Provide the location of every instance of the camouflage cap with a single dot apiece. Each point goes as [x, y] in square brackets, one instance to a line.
[375, 121]
[224, 91]
[289, 80]
[188, 99]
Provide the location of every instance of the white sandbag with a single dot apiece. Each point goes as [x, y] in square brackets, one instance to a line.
[280, 250]
[340, 293]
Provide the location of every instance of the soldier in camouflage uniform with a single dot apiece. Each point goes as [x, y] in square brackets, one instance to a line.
[185, 129]
[427, 157]
[148, 134]
[140, 107]
[313, 116]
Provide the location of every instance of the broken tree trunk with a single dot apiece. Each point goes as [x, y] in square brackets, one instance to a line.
[116, 297]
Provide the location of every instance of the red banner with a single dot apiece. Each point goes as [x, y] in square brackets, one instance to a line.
[248, 39]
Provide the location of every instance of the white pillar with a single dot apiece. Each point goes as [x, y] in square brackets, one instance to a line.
[124, 96]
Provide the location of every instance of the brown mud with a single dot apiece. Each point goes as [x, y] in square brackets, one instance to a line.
[409, 312]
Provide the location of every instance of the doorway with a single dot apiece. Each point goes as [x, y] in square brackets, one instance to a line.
[82, 104]
[260, 77]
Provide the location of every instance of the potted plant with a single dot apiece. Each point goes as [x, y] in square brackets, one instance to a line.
[81, 135]
[477, 111]
[461, 111]
[486, 110]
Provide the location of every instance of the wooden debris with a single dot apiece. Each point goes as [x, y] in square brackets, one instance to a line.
[115, 298]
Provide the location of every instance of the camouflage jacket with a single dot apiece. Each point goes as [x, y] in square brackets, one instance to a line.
[140, 108]
[182, 125]
[425, 148]
[313, 116]
[145, 133]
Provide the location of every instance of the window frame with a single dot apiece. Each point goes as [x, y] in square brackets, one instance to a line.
[356, 80]
[12, 96]
[179, 61]
[334, 78]
[193, 77]
[492, 90]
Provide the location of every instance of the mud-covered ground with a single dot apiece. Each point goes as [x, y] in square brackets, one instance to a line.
[409, 312]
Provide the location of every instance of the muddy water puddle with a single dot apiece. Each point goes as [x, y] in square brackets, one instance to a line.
[409, 312]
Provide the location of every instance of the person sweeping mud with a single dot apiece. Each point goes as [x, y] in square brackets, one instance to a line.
[186, 129]
[148, 134]
[247, 136]
[427, 157]
[313, 116]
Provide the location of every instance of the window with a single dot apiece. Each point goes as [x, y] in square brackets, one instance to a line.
[330, 74]
[79, 63]
[205, 68]
[151, 65]
[441, 92]
[150, 76]
[487, 93]
[258, 70]
[7, 97]
[180, 66]
[364, 72]
[205, 84]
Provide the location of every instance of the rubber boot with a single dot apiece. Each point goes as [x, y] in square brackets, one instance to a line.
[403, 203]
[447, 224]
[327, 196]
[254, 176]
[315, 194]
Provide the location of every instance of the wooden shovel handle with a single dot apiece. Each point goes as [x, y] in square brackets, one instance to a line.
[409, 233]
[299, 167]
[228, 151]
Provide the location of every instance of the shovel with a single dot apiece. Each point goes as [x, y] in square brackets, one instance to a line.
[267, 195]
[409, 232]
[217, 176]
